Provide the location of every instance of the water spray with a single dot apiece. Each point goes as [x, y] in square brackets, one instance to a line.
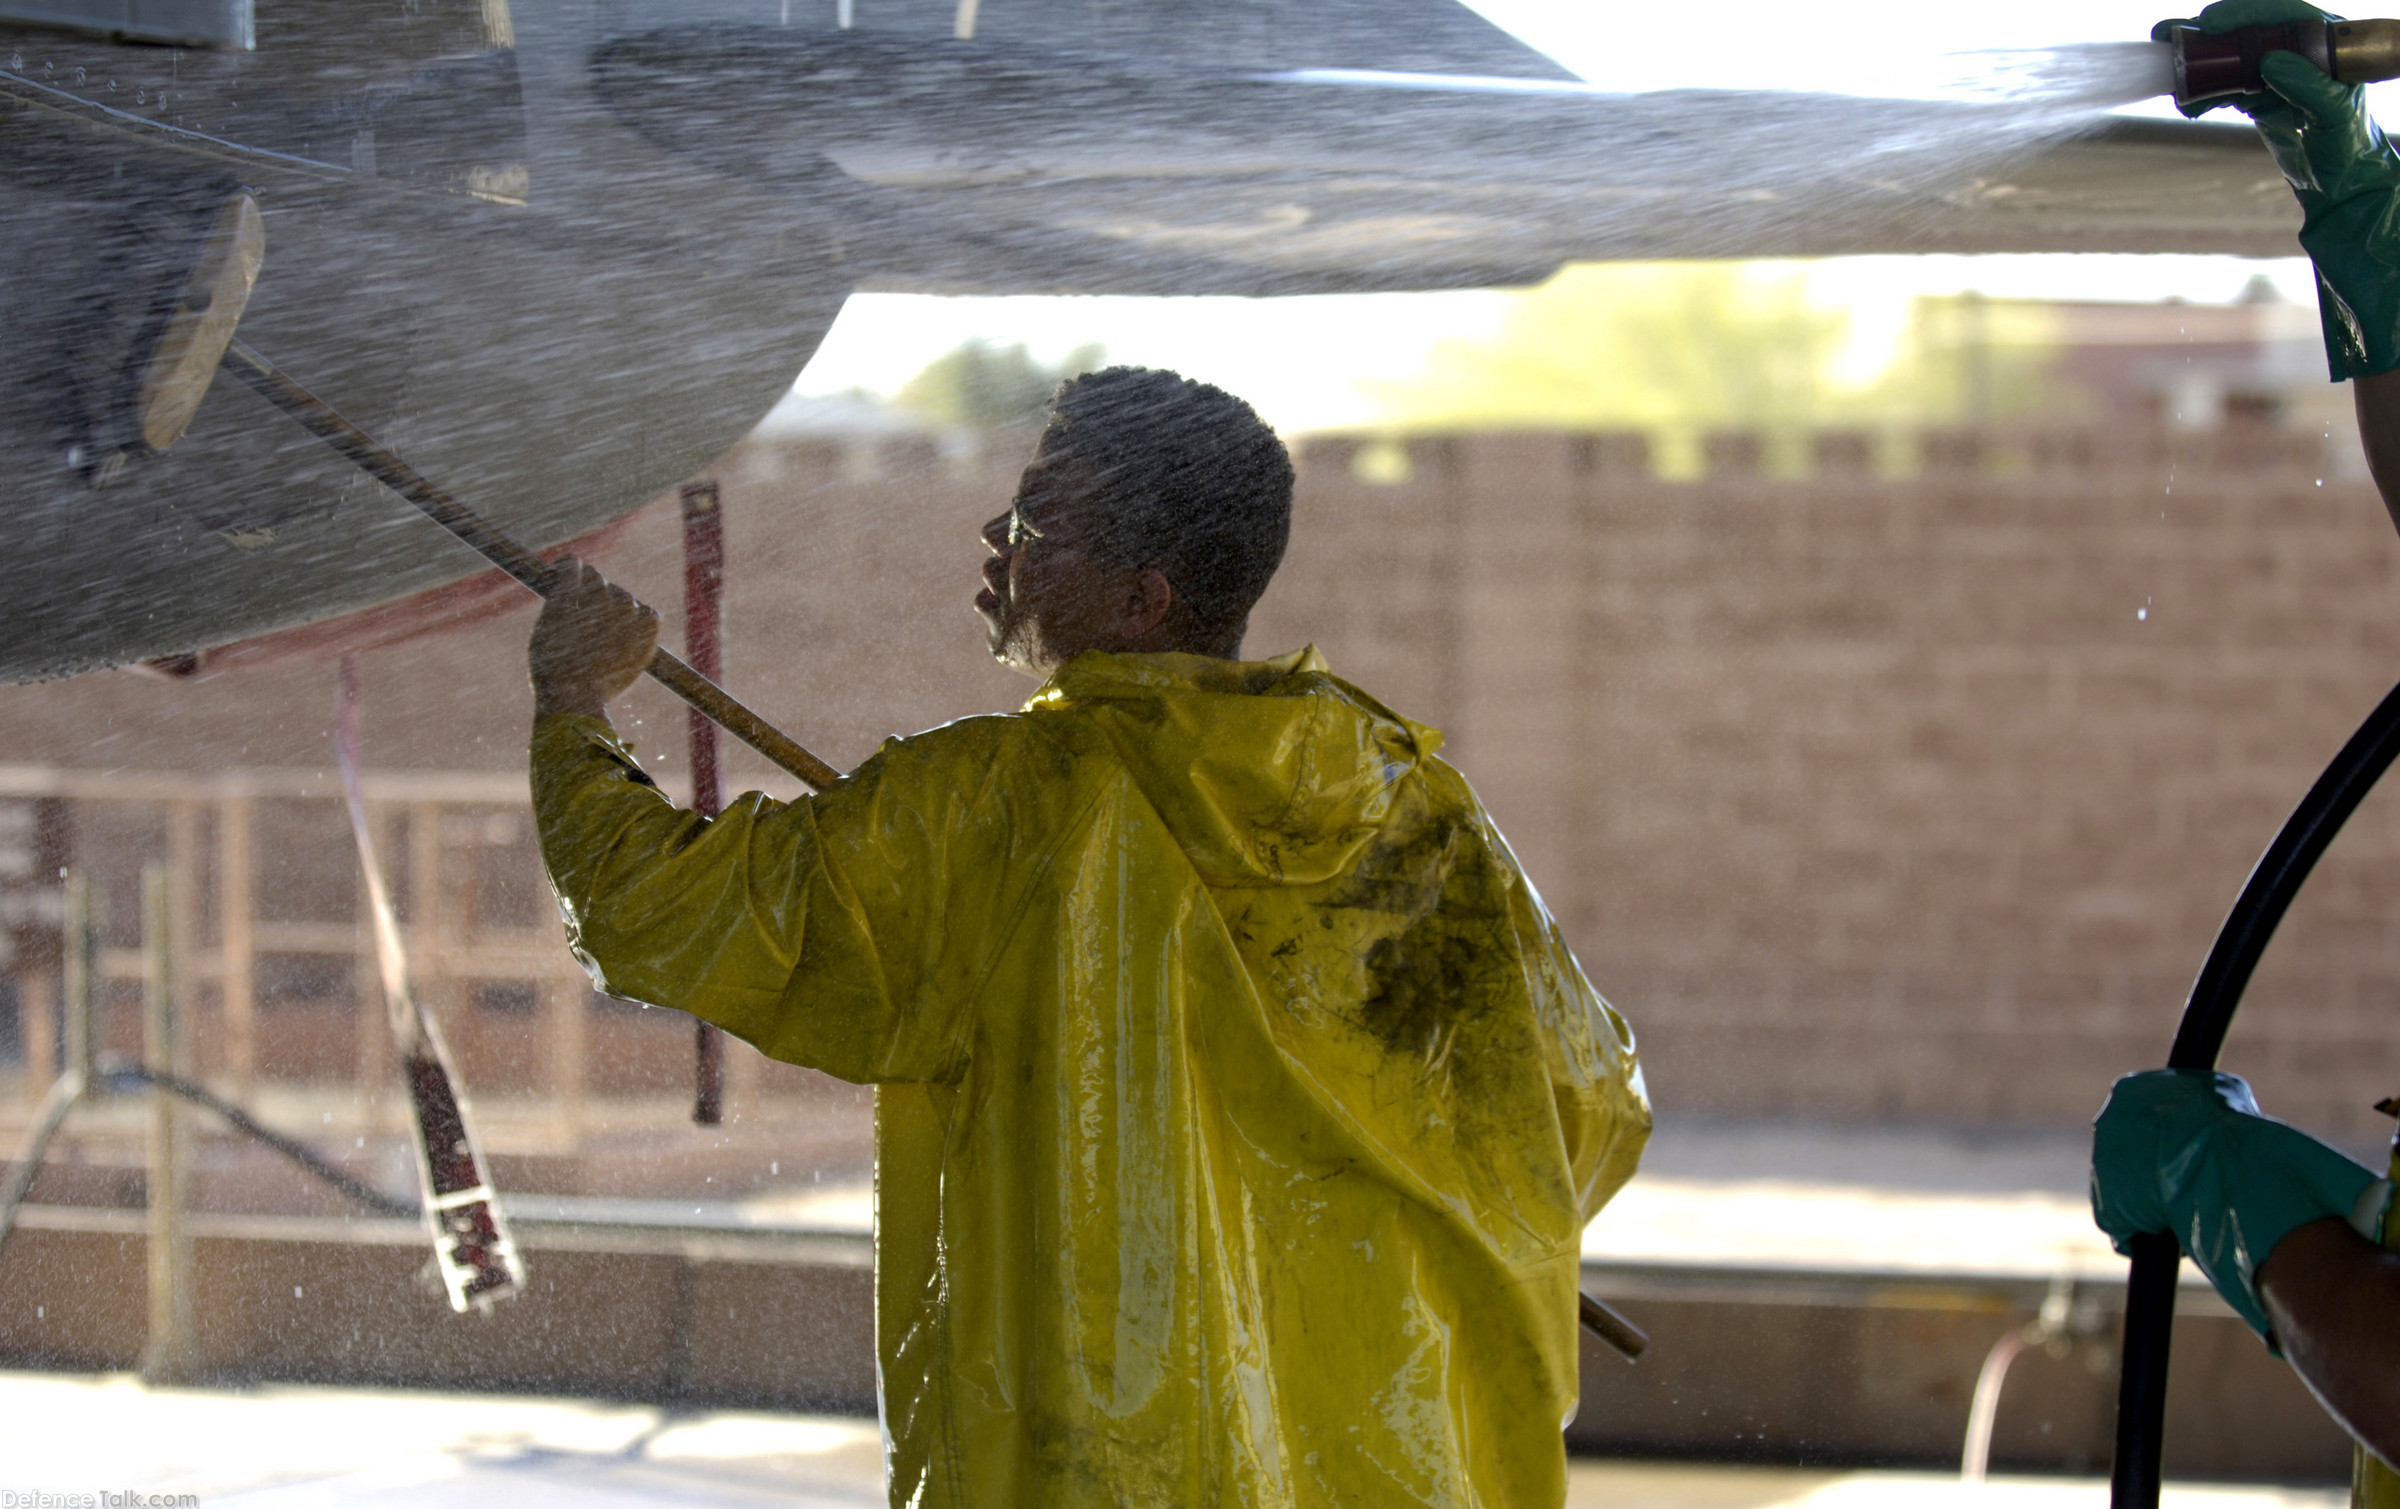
[2210, 68]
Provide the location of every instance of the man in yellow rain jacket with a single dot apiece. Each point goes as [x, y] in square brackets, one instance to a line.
[1238, 1105]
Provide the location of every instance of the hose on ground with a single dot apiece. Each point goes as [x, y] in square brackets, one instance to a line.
[69, 1090]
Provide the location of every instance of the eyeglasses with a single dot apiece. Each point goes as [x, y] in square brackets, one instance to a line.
[1021, 531]
[1020, 528]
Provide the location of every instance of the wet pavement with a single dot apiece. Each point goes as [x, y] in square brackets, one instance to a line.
[282, 1445]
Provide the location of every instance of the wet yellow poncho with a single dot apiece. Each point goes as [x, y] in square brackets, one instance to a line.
[1239, 1106]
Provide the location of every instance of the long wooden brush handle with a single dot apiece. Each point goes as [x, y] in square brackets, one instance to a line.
[320, 419]
[1622, 1334]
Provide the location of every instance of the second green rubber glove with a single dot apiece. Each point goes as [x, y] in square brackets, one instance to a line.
[2188, 1151]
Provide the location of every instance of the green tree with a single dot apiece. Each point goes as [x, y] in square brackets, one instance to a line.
[1678, 349]
[1971, 360]
[982, 386]
[1633, 345]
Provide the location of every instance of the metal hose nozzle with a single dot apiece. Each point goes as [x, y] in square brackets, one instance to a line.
[2218, 67]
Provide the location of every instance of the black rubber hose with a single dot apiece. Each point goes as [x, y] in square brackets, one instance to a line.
[65, 1091]
[120, 1081]
[2281, 871]
[241, 1121]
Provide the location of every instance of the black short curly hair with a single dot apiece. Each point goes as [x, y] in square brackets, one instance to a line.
[1195, 483]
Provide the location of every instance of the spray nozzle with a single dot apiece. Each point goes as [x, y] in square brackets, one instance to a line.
[2216, 67]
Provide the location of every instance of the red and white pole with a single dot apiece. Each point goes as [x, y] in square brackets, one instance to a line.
[703, 622]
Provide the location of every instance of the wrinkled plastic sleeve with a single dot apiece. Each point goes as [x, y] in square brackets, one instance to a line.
[804, 928]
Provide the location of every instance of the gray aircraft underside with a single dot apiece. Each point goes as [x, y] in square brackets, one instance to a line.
[562, 254]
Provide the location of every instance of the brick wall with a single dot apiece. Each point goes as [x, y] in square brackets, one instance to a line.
[1919, 798]
[1864, 795]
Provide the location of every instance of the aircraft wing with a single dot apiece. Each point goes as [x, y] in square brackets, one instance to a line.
[561, 254]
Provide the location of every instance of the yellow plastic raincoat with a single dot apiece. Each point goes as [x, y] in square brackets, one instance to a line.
[1239, 1106]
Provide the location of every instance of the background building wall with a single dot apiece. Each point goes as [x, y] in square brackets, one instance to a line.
[1912, 788]
[1914, 797]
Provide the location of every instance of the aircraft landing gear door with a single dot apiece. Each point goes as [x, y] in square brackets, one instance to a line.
[188, 23]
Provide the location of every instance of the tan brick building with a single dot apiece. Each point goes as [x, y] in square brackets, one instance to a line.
[1866, 795]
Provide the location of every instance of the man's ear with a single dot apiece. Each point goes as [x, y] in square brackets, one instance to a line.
[1151, 599]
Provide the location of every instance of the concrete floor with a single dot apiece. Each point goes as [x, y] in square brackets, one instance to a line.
[275, 1446]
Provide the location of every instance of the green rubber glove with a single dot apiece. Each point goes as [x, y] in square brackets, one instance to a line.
[2346, 177]
[2188, 1151]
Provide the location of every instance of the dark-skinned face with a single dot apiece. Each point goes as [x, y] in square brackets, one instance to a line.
[1047, 596]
